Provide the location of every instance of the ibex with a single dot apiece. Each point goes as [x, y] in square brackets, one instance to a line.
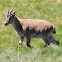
[31, 28]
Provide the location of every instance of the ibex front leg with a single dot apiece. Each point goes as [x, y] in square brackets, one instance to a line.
[28, 39]
[21, 41]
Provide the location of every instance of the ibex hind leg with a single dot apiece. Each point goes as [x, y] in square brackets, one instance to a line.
[52, 40]
[47, 42]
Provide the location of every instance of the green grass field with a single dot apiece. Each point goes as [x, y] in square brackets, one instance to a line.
[50, 10]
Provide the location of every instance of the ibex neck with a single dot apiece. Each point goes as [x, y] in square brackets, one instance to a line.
[17, 25]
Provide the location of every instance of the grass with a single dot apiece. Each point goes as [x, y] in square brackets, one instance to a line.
[50, 10]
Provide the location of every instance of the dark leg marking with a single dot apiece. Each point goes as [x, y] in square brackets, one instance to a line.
[28, 39]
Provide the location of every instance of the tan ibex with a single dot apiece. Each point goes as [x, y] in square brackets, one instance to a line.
[31, 28]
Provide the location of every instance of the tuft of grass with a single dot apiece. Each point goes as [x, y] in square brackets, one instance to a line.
[50, 10]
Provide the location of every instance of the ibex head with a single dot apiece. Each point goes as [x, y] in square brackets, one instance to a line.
[9, 17]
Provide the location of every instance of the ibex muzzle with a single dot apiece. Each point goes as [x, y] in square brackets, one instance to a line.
[6, 23]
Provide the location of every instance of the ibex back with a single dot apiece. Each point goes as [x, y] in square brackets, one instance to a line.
[31, 28]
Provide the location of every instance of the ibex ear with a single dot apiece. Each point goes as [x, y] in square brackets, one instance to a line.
[7, 11]
[14, 13]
